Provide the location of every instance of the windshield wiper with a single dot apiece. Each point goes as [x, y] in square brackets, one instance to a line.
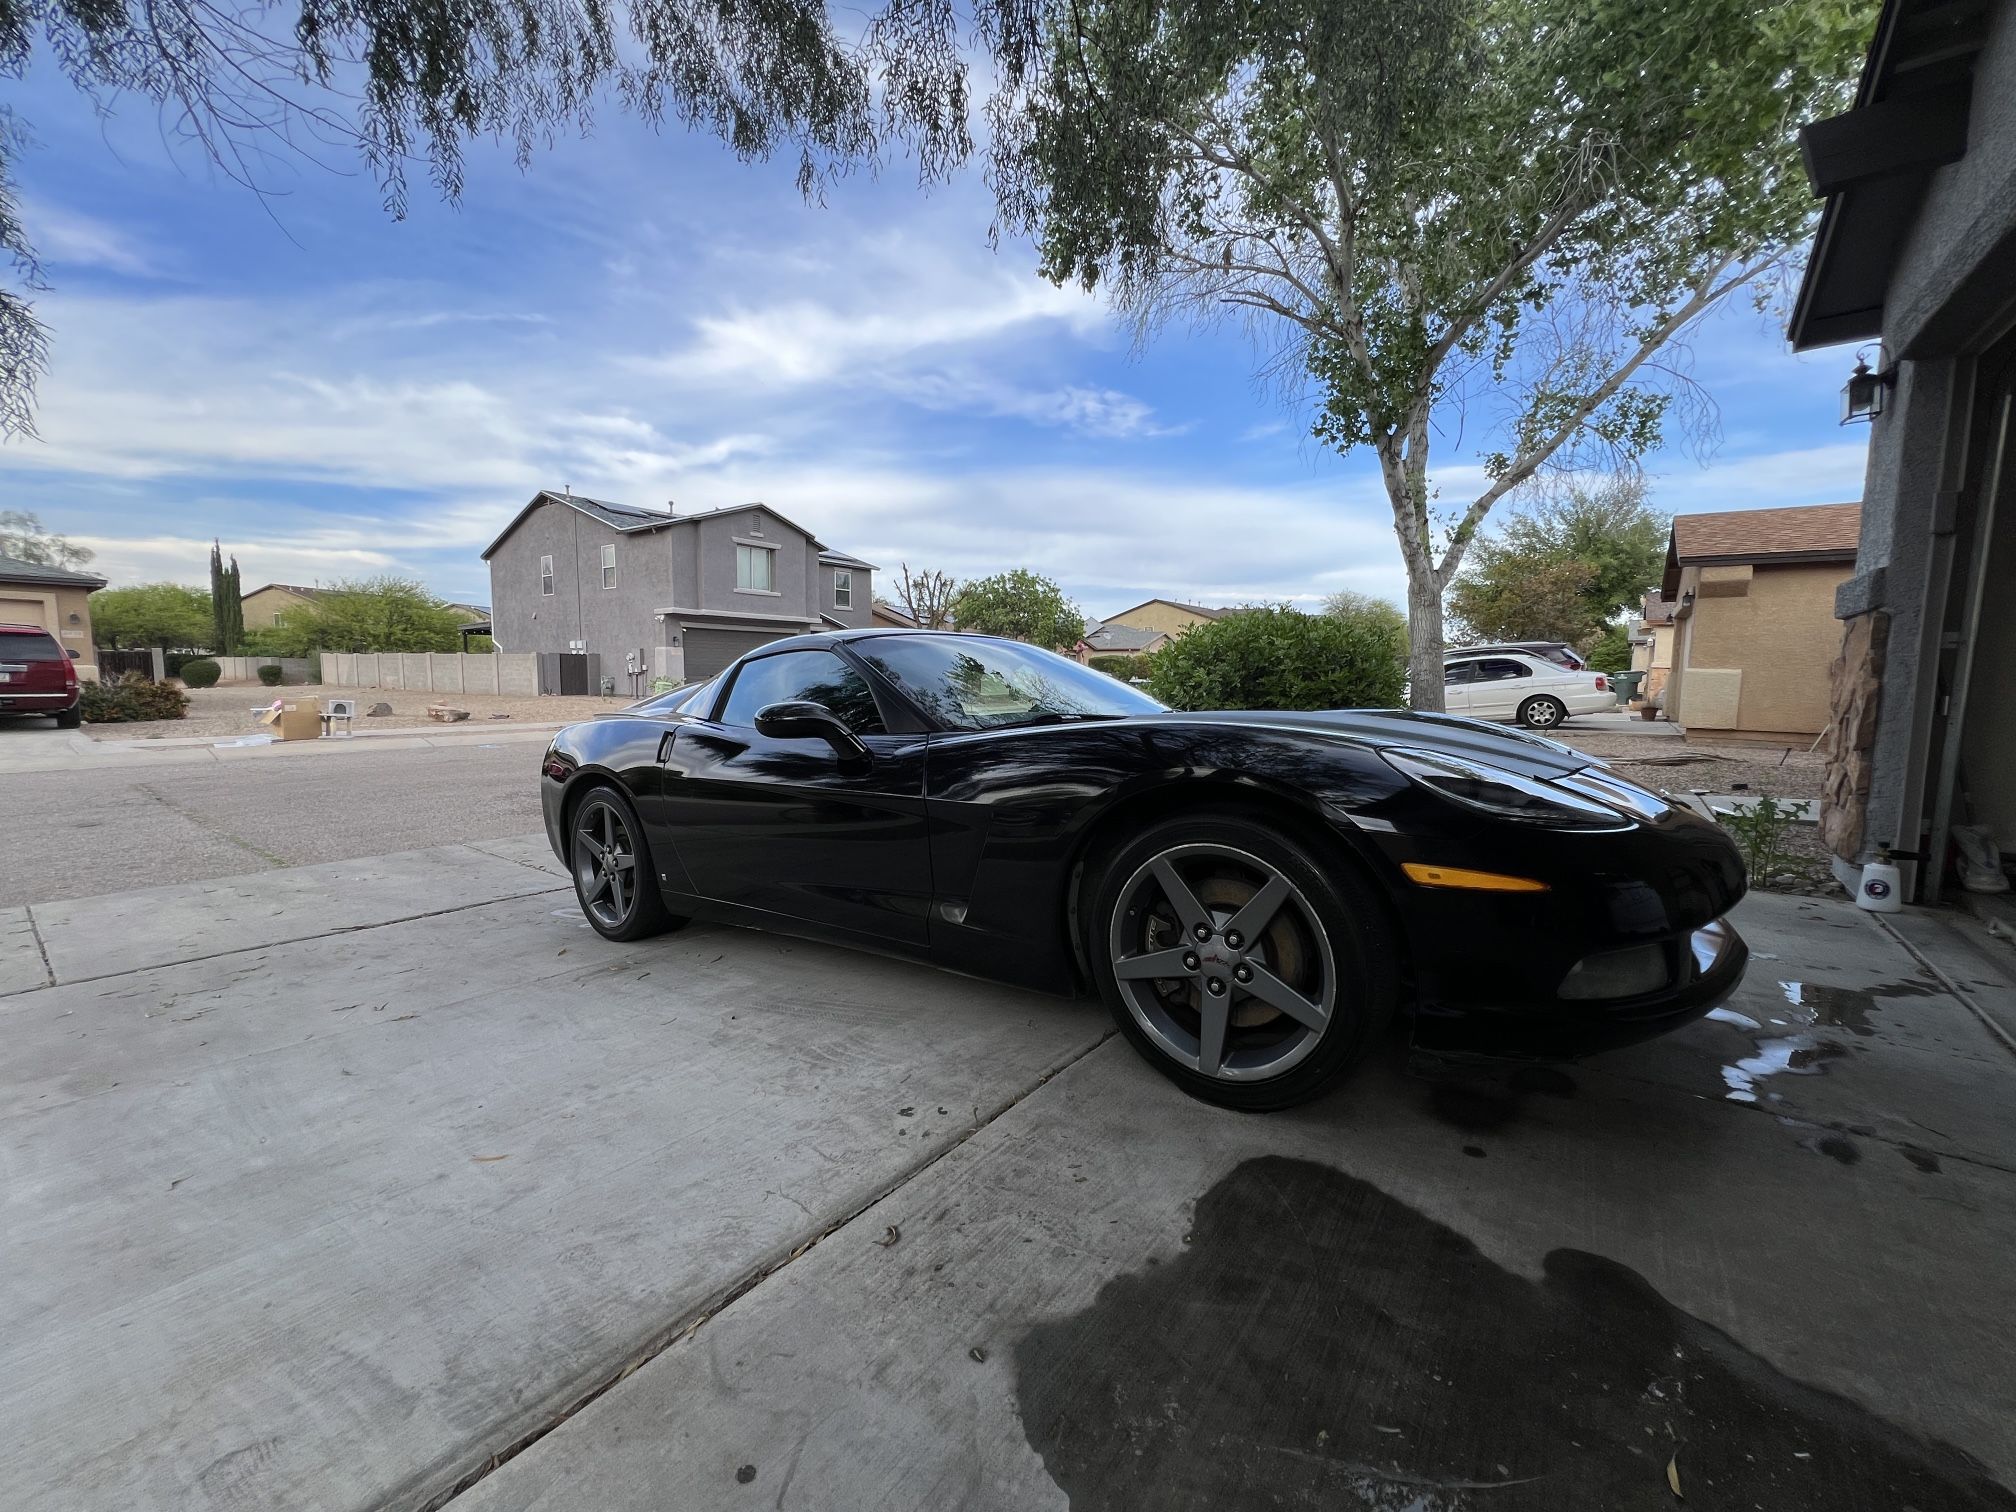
[1052, 716]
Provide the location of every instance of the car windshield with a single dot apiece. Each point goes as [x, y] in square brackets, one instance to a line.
[973, 683]
[669, 703]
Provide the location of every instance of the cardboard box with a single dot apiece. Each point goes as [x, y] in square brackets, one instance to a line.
[301, 720]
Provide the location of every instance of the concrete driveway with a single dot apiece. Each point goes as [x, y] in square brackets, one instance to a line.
[348, 1186]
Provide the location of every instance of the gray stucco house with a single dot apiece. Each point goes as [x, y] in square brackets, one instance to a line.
[685, 593]
[1915, 263]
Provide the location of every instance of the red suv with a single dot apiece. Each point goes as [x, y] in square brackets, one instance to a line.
[36, 676]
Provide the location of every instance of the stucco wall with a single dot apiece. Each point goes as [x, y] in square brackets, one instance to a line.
[1159, 616]
[792, 592]
[264, 606]
[862, 613]
[1759, 647]
[1952, 281]
[50, 606]
[611, 620]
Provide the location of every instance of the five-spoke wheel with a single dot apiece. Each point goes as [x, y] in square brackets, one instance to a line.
[612, 869]
[1236, 963]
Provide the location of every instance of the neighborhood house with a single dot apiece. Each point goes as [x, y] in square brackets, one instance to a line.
[663, 595]
[55, 599]
[1753, 616]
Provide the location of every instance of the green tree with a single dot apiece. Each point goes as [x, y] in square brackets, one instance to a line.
[1021, 605]
[372, 614]
[1376, 613]
[1276, 657]
[22, 536]
[1495, 212]
[1612, 650]
[172, 616]
[1606, 526]
[227, 608]
[1516, 598]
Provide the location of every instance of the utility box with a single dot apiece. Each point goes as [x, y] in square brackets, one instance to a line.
[300, 720]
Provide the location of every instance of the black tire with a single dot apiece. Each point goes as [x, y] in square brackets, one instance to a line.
[1329, 928]
[620, 901]
[69, 719]
[1543, 713]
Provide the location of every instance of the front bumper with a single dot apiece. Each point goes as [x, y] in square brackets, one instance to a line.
[1708, 965]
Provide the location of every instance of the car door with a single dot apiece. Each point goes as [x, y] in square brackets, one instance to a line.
[792, 827]
[1457, 676]
[1500, 684]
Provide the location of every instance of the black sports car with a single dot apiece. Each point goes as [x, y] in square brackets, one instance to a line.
[1253, 894]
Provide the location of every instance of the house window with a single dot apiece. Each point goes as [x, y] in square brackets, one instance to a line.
[546, 577]
[843, 589]
[753, 570]
[608, 566]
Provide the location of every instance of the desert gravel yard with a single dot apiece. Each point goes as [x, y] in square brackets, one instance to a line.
[1681, 766]
[226, 711]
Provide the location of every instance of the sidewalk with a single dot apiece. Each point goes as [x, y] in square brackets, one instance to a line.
[41, 749]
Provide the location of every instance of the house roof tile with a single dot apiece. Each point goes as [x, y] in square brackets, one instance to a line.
[14, 570]
[1808, 532]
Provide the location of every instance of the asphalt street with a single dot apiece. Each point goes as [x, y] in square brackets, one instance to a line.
[88, 829]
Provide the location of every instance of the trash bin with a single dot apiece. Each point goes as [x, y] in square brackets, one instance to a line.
[1627, 685]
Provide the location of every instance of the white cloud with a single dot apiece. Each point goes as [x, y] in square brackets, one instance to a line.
[63, 236]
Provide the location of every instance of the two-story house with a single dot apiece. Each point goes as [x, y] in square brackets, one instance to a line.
[685, 593]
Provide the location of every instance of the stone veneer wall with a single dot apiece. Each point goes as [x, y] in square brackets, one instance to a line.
[1855, 688]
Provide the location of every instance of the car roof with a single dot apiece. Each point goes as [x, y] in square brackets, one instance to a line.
[817, 638]
[23, 630]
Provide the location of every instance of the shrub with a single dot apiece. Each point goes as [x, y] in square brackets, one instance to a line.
[1612, 651]
[269, 674]
[1279, 658]
[1126, 668]
[131, 698]
[201, 673]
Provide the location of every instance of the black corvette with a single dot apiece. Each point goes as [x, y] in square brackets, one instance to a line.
[1253, 894]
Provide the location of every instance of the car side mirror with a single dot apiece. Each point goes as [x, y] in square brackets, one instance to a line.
[798, 719]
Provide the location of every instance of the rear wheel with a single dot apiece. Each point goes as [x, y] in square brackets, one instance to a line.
[69, 719]
[1542, 713]
[611, 863]
[1245, 972]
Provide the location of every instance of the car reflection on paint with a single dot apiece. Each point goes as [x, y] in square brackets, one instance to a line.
[1255, 895]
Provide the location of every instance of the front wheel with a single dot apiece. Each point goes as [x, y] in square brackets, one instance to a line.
[611, 863]
[1542, 713]
[1241, 968]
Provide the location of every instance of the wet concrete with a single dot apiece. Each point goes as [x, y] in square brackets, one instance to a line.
[1319, 1344]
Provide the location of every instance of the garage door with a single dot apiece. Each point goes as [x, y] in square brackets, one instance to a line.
[709, 651]
[21, 611]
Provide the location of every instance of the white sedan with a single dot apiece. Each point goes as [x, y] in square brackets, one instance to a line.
[1530, 689]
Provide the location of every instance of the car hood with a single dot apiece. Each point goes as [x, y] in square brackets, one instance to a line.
[1512, 750]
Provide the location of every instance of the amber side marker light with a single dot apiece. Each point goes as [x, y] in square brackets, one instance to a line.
[1475, 881]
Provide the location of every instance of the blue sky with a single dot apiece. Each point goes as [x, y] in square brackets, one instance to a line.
[336, 394]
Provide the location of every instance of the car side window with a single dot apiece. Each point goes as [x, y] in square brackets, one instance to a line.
[809, 676]
[1460, 672]
[1498, 670]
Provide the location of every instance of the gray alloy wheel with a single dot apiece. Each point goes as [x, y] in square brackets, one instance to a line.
[1222, 962]
[613, 875]
[1542, 713]
[605, 863]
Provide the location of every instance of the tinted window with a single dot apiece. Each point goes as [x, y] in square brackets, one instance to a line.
[30, 645]
[1498, 670]
[970, 683]
[1460, 672]
[692, 698]
[811, 676]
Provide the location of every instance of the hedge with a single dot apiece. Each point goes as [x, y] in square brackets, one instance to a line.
[201, 673]
[131, 698]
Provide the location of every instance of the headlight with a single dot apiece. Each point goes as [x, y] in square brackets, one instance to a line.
[1606, 786]
[1505, 794]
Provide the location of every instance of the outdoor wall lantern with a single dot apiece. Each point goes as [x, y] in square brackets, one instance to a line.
[1862, 395]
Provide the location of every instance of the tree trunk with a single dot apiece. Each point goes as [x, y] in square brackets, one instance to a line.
[1424, 636]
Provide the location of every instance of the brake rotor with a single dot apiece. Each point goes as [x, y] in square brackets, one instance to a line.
[1279, 948]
